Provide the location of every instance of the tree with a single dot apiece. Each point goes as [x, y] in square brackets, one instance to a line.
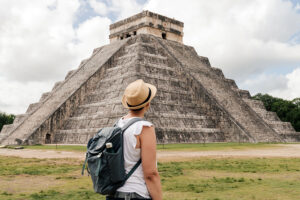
[287, 111]
[296, 102]
[6, 119]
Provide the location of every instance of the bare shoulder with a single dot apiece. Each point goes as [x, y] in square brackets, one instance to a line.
[148, 130]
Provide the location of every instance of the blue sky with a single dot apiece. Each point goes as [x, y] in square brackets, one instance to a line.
[256, 43]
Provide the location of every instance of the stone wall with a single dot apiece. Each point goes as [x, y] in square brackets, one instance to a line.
[147, 23]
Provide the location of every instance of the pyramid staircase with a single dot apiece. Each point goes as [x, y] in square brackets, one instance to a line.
[194, 102]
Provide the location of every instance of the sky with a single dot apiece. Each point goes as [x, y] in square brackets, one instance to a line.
[256, 43]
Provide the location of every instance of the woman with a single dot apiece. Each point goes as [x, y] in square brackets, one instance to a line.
[139, 142]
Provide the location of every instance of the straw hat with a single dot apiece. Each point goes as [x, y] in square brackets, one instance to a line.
[137, 94]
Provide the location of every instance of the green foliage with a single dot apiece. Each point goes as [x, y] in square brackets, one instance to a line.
[287, 111]
[6, 119]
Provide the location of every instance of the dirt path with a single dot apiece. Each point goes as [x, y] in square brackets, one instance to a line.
[283, 150]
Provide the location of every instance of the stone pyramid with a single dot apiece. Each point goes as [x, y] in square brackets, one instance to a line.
[195, 103]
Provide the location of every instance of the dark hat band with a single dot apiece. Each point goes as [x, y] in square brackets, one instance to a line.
[149, 95]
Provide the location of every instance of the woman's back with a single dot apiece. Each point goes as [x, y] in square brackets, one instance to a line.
[136, 182]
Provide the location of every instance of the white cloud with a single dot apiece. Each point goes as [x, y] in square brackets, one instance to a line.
[265, 83]
[243, 37]
[121, 8]
[99, 7]
[126, 8]
[293, 89]
[283, 86]
[15, 96]
[39, 45]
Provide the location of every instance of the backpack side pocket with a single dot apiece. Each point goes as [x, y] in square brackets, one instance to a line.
[116, 166]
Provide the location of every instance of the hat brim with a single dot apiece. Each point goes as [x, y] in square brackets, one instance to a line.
[153, 93]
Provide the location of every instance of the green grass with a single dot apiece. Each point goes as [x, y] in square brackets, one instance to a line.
[30, 166]
[166, 147]
[204, 178]
[215, 146]
[80, 148]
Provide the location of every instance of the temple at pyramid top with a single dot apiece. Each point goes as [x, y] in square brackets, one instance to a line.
[147, 22]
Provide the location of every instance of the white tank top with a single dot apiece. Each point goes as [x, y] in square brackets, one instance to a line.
[135, 182]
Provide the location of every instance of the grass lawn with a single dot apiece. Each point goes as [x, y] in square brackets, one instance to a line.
[167, 147]
[204, 178]
[215, 146]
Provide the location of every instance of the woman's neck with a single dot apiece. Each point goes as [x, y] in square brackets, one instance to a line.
[134, 114]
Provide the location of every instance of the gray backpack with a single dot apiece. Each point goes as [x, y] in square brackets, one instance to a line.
[106, 165]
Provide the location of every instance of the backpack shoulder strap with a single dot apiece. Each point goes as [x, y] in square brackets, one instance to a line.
[116, 123]
[133, 169]
[132, 121]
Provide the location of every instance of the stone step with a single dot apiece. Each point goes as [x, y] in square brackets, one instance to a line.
[177, 136]
[83, 122]
[160, 80]
[267, 115]
[161, 67]
[218, 71]
[243, 93]
[116, 78]
[184, 134]
[142, 58]
[97, 50]
[32, 107]
[192, 130]
[117, 82]
[281, 127]
[114, 105]
[44, 96]
[254, 104]
[6, 129]
[145, 58]
[74, 136]
[162, 94]
[57, 85]
[20, 118]
[142, 67]
[83, 62]
[174, 96]
[79, 131]
[89, 108]
[2, 136]
[99, 96]
[157, 69]
[121, 68]
[231, 83]
[101, 119]
[141, 47]
[290, 136]
[70, 73]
